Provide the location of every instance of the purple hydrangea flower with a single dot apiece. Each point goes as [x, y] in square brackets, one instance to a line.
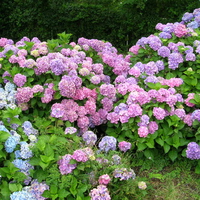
[193, 151]
[57, 66]
[187, 17]
[165, 35]
[174, 60]
[144, 120]
[64, 164]
[164, 51]
[196, 115]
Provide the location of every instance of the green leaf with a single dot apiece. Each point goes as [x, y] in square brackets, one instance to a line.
[48, 151]
[78, 198]
[160, 141]
[4, 136]
[197, 98]
[141, 146]
[62, 193]
[166, 147]
[73, 186]
[43, 165]
[149, 154]
[14, 187]
[150, 143]
[41, 145]
[54, 189]
[197, 169]
[194, 82]
[5, 190]
[46, 159]
[158, 176]
[173, 155]
[30, 72]
[46, 194]
[175, 140]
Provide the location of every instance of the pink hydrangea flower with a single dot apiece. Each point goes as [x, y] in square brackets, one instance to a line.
[24, 95]
[104, 179]
[143, 131]
[124, 146]
[134, 49]
[187, 101]
[80, 156]
[152, 126]
[159, 113]
[180, 30]
[19, 80]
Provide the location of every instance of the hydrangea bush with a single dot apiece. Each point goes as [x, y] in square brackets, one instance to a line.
[70, 111]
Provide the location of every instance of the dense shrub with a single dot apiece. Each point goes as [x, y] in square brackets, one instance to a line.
[70, 111]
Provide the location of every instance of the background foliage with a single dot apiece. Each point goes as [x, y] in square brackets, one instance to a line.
[120, 22]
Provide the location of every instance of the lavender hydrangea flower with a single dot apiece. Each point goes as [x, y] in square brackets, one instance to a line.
[196, 115]
[174, 60]
[193, 151]
[124, 174]
[116, 159]
[165, 35]
[144, 120]
[107, 143]
[90, 138]
[187, 17]
[70, 130]
[28, 128]
[164, 51]
[57, 66]
[100, 193]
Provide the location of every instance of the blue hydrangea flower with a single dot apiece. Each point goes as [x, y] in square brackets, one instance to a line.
[9, 87]
[22, 195]
[23, 165]
[11, 144]
[28, 128]
[25, 152]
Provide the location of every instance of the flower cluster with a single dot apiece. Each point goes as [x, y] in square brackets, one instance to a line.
[7, 96]
[124, 174]
[193, 151]
[100, 193]
[32, 192]
[124, 146]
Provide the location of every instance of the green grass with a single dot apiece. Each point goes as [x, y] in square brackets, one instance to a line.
[167, 180]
